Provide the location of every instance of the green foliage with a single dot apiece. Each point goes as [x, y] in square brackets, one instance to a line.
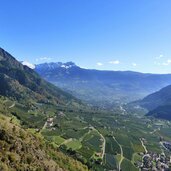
[22, 149]
[127, 152]
[76, 136]
[110, 162]
[25, 85]
[74, 145]
[111, 146]
[128, 166]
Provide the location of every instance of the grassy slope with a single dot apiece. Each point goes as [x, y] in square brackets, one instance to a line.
[21, 149]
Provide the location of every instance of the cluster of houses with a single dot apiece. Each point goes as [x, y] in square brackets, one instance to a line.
[167, 145]
[157, 162]
[49, 122]
[154, 162]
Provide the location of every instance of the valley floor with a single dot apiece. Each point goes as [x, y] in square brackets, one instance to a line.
[100, 139]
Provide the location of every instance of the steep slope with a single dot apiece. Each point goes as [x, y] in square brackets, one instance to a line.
[159, 98]
[26, 102]
[20, 149]
[162, 112]
[102, 87]
[24, 84]
[158, 103]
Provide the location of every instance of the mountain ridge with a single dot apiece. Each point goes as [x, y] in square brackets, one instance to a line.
[18, 79]
[158, 104]
[26, 103]
[102, 88]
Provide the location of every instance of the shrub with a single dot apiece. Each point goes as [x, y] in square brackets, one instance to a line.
[3, 167]
[29, 158]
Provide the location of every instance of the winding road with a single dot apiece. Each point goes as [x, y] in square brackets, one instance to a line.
[122, 157]
[104, 141]
[104, 144]
[67, 141]
[12, 105]
[145, 149]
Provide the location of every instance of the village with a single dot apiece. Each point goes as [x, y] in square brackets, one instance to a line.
[155, 161]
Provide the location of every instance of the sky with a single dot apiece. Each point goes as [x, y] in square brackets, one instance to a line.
[99, 34]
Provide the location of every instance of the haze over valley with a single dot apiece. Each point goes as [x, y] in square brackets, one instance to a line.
[102, 88]
[85, 85]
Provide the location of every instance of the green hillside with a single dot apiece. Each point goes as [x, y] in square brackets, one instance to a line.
[23, 84]
[158, 103]
[44, 128]
[26, 101]
[21, 149]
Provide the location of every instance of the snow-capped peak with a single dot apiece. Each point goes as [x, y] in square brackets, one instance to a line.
[66, 66]
[26, 63]
[55, 65]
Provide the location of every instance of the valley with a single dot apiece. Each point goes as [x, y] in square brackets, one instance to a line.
[85, 85]
[100, 140]
[76, 135]
[104, 89]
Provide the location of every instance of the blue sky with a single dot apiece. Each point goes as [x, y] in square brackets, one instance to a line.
[101, 34]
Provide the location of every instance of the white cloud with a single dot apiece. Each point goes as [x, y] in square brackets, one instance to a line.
[44, 59]
[114, 62]
[26, 63]
[168, 62]
[134, 64]
[99, 64]
[160, 56]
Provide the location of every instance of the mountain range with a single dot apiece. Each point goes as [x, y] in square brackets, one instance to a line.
[24, 84]
[158, 104]
[43, 127]
[102, 88]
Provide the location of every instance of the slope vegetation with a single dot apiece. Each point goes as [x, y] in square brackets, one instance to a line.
[24, 84]
[26, 101]
[21, 149]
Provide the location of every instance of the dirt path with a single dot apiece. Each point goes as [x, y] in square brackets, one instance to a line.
[145, 149]
[104, 141]
[67, 141]
[44, 126]
[102, 137]
[104, 144]
[155, 130]
[81, 139]
[12, 105]
[122, 157]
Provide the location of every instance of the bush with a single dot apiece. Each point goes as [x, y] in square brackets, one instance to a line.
[22, 134]
[12, 157]
[29, 158]
[3, 167]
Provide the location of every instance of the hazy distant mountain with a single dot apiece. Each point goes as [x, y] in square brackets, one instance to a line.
[102, 87]
[24, 84]
[158, 103]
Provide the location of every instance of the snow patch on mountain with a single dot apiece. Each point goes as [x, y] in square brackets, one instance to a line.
[53, 65]
[26, 63]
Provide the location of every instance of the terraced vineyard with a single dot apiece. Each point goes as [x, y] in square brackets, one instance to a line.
[101, 140]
